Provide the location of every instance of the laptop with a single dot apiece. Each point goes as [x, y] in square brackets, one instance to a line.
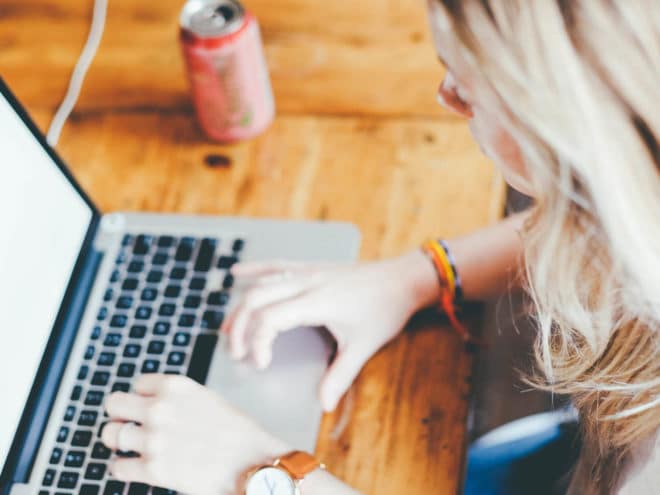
[90, 301]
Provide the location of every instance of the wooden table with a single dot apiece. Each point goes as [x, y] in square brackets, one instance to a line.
[358, 137]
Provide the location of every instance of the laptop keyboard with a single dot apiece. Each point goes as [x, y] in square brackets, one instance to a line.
[161, 310]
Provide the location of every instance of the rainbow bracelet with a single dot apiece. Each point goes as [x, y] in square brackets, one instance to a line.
[451, 290]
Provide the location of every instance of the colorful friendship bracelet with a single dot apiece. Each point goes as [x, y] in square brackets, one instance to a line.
[451, 290]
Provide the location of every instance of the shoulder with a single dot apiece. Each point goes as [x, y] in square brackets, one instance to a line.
[642, 474]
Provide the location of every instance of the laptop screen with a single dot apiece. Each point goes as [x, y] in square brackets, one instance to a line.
[43, 223]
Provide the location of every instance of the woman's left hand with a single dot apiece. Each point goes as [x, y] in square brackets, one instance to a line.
[188, 438]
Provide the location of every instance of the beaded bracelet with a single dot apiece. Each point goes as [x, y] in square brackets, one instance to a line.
[451, 290]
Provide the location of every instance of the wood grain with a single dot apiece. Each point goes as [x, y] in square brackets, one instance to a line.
[342, 57]
[358, 137]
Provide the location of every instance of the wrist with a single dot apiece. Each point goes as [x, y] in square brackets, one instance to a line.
[419, 279]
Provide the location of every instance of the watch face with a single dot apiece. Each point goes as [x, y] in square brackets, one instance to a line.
[270, 481]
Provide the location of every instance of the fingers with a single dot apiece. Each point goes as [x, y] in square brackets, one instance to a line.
[239, 319]
[131, 469]
[126, 437]
[339, 377]
[127, 407]
[268, 322]
[260, 269]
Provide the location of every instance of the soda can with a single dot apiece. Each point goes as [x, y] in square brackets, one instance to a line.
[227, 70]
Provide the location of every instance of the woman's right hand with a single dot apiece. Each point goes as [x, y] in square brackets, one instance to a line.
[363, 306]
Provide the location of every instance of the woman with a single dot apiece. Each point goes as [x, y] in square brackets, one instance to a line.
[563, 96]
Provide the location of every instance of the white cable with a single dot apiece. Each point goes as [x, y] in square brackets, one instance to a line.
[79, 72]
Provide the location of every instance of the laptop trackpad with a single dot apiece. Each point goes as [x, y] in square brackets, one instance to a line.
[284, 398]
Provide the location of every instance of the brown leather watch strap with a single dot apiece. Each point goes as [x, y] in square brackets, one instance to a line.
[299, 464]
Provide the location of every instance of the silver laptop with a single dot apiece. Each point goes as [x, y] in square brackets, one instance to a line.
[91, 301]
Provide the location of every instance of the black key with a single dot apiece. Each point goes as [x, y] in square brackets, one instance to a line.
[176, 358]
[108, 295]
[138, 489]
[114, 276]
[172, 372]
[149, 294]
[226, 262]
[81, 438]
[106, 359]
[197, 283]
[218, 298]
[212, 319]
[185, 249]
[238, 245]
[192, 302]
[83, 372]
[63, 434]
[94, 398]
[166, 241]
[137, 331]
[135, 266]
[121, 257]
[156, 347]
[200, 360]
[132, 350]
[76, 393]
[95, 471]
[89, 490]
[173, 291]
[155, 276]
[44, 492]
[228, 282]
[178, 273]
[100, 451]
[103, 314]
[96, 333]
[142, 244]
[181, 338]
[167, 309]
[67, 480]
[160, 259]
[70, 413]
[101, 427]
[130, 284]
[124, 302]
[205, 255]
[127, 240]
[49, 477]
[121, 387]
[162, 491]
[89, 352]
[100, 378]
[143, 313]
[114, 488]
[127, 453]
[75, 458]
[126, 370]
[161, 328]
[56, 456]
[118, 321]
[88, 418]
[112, 340]
[150, 366]
[187, 320]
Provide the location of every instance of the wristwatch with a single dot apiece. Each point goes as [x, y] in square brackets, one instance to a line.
[282, 477]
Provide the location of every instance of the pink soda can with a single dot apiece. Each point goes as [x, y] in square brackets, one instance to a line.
[227, 70]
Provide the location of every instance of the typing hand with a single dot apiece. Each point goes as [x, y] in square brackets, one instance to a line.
[188, 438]
[364, 306]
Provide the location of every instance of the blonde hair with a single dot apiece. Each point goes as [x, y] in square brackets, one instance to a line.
[577, 85]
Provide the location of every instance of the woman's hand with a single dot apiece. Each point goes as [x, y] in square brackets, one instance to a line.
[363, 306]
[188, 438]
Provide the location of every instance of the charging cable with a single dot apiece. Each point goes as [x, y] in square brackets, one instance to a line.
[79, 72]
